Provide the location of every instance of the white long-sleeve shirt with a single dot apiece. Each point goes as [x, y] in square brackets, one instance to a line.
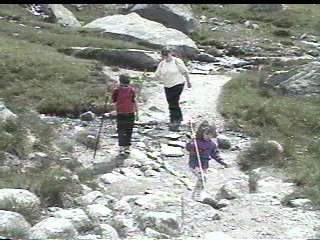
[171, 73]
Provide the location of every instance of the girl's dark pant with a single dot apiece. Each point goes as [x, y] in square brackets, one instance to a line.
[125, 123]
[173, 97]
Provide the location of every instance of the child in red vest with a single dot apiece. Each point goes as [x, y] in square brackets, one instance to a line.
[127, 110]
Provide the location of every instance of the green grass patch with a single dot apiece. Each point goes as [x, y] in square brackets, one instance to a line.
[54, 83]
[58, 37]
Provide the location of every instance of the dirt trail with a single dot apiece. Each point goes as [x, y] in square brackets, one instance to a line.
[252, 216]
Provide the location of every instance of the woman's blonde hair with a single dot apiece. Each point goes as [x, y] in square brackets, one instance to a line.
[205, 126]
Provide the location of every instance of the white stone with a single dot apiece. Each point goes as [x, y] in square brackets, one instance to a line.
[98, 212]
[11, 223]
[53, 228]
[19, 200]
[77, 216]
[107, 232]
[169, 151]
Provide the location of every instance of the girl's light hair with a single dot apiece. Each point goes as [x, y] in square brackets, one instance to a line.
[205, 126]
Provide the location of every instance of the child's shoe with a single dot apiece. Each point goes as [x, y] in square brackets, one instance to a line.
[196, 196]
[224, 164]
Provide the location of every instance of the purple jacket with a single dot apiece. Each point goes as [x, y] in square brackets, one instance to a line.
[207, 150]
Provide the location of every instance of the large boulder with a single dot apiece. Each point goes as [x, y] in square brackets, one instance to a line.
[21, 201]
[126, 58]
[12, 223]
[133, 28]
[177, 16]
[63, 16]
[302, 80]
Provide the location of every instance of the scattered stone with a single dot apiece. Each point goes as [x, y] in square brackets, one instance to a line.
[163, 222]
[300, 202]
[94, 197]
[177, 144]
[122, 207]
[21, 201]
[77, 216]
[149, 232]
[169, 151]
[87, 116]
[53, 228]
[173, 136]
[98, 213]
[106, 231]
[224, 142]
[233, 189]
[12, 223]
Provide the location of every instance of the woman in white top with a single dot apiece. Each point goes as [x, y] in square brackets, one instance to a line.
[173, 73]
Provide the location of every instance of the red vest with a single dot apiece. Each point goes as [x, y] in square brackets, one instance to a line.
[124, 97]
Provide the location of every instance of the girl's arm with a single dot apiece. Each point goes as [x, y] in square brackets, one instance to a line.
[215, 154]
[190, 146]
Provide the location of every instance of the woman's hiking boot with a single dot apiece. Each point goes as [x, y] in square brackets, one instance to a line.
[174, 126]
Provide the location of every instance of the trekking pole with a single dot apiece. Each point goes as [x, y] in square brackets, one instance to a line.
[197, 152]
[101, 124]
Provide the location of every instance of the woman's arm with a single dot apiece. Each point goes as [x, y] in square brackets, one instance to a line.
[184, 71]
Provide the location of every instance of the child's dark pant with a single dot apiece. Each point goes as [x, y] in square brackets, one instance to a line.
[125, 123]
[173, 97]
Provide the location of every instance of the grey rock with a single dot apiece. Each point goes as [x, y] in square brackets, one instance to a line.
[21, 201]
[6, 114]
[177, 16]
[53, 228]
[233, 189]
[127, 58]
[162, 222]
[12, 223]
[224, 142]
[106, 231]
[169, 151]
[63, 16]
[98, 213]
[77, 216]
[132, 27]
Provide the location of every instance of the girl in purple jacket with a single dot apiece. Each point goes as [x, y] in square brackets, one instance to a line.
[205, 142]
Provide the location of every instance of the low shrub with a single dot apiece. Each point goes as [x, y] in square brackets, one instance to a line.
[282, 33]
[261, 153]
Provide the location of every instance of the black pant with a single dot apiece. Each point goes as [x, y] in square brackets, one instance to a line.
[173, 97]
[125, 123]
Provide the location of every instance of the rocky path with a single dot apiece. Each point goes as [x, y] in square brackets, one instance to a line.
[241, 214]
[254, 215]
